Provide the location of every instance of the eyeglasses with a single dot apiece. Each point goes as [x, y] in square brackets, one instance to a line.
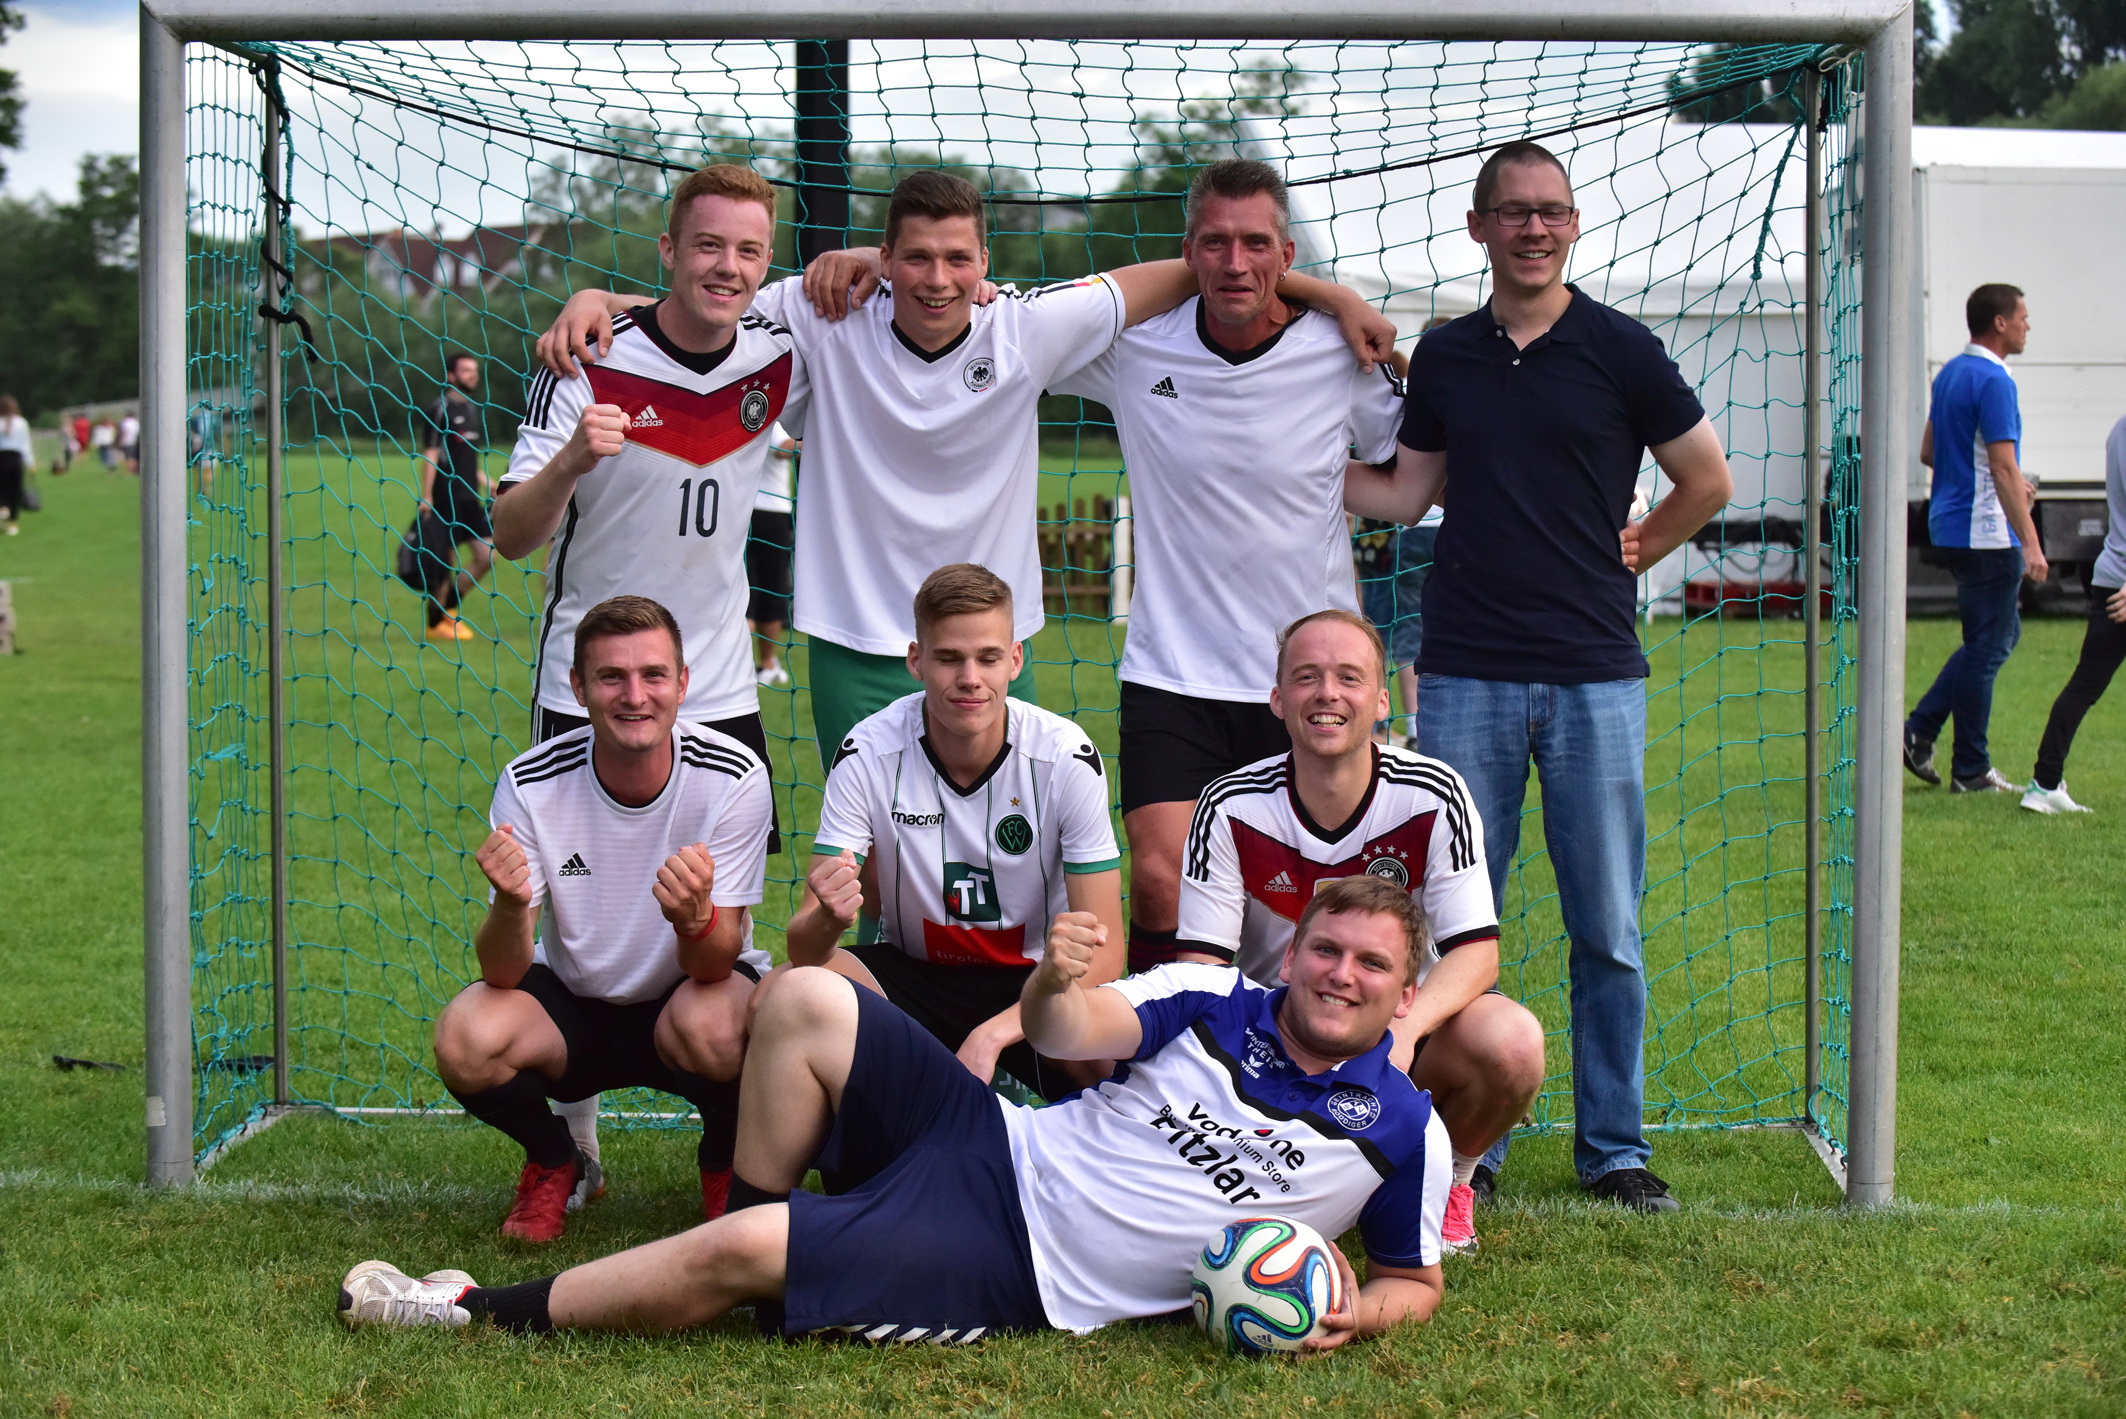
[1515, 215]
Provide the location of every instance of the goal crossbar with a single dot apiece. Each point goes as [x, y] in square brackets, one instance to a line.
[1887, 436]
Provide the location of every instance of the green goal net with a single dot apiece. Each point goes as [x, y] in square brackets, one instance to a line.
[440, 197]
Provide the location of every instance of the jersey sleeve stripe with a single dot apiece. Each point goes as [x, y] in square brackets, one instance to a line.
[542, 400]
[566, 766]
[546, 754]
[1207, 948]
[1463, 938]
[1105, 864]
[1263, 780]
[736, 763]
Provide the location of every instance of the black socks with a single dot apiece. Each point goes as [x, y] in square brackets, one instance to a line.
[1149, 948]
[521, 1307]
[744, 1195]
[519, 1109]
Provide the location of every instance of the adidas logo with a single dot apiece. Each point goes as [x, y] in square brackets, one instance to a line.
[647, 419]
[1165, 388]
[1282, 882]
[574, 867]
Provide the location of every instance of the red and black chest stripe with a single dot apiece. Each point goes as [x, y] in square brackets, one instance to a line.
[1284, 879]
[696, 428]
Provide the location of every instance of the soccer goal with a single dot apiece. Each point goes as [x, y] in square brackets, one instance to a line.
[332, 203]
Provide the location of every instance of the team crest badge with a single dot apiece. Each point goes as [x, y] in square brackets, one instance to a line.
[1355, 1109]
[981, 372]
[753, 410]
[1390, 869]
[1014, 834]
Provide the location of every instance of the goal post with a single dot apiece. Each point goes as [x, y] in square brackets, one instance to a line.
[175, 569]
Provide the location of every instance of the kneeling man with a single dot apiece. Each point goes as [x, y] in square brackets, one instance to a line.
[969, 1214]
[980, 818]
[1267, 838]
[644, 842]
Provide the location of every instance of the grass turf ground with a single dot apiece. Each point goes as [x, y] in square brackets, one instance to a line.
[1995, 1287]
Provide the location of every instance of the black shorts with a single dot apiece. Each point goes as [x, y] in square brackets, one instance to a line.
[929, 1241]
[1174, 745]
[463, 512]
[609, 1046]
[768, 567]
[745, 728]
[949, 1001]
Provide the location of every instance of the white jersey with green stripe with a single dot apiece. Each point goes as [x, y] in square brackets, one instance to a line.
[969, 876]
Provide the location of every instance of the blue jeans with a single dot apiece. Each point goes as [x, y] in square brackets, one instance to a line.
[1989, 582]
[1589, 747]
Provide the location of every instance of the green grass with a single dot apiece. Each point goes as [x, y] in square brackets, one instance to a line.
[1995, 1287]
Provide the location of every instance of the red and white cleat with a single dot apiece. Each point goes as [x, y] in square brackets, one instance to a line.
[1457, 1231]
[540, 1212]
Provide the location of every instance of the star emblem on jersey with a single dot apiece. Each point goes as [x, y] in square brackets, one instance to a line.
[1355, 1109]
[1165, 388]
[981, 372]
[1282, 882]
[753, 410]
[647, 419]
[574, 866]
[1014, 834]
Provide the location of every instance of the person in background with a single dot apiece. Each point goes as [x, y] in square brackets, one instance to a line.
[15, 460]
[129, 443]
[81, 431]
[1979, 516]
[104, 439]
[768, 560]
[453, 497]
[2103, 644]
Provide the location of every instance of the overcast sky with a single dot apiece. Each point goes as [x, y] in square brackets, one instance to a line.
[79, 66]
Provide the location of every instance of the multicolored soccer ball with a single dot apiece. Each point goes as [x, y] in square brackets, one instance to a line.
[1263, 1285]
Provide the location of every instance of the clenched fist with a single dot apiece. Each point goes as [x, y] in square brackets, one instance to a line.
[1071, 944]
[834, 882]
[600, 433]
[682, 889]
[502, 858]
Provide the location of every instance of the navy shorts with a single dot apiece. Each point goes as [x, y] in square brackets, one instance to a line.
[928, 1242]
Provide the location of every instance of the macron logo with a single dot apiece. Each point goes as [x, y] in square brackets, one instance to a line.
[574, 867]
[647, 419]
[1165, 388]
[1282, 882]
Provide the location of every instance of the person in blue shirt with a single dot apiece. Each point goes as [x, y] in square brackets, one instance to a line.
[1538, 409]
[1979, 517]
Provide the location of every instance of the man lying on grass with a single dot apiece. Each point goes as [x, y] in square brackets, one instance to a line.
[967, 1214]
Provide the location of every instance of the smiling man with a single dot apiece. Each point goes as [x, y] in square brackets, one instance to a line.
[966, 1215]
[921, 444]
[1265, 840]
[983, 820]
[641, 842]
[1539, 408]
[1238, 413]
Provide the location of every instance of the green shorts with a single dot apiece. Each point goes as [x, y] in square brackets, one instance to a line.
[849, 685]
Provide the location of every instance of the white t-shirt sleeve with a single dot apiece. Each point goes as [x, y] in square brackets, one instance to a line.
[845, 810]
[551, 413]
[1214, 903]
[1065, 327]
[509, 808]
[1094, 380]
[738, 841]
[1088, 833]
[1457, 892]
[1376, 413]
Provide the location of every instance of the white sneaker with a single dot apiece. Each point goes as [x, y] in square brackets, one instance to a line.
[773, 676]
[378, 1293]
[2050, 800]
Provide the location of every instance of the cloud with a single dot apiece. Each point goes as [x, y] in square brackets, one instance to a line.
[78, 67]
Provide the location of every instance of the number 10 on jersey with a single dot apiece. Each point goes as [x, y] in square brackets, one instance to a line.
[700, 501]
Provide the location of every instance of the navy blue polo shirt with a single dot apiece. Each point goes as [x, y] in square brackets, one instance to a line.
[1543, 448]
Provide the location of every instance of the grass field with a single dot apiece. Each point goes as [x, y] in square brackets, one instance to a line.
[1995, 1287]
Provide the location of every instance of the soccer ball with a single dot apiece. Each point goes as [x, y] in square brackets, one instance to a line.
[1263, 1285]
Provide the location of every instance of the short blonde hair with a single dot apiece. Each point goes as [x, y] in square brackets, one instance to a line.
[1347, 618]
[962, 589]
[740, 184]
[1371, 896]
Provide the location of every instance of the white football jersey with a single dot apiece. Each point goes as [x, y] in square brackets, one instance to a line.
[914, 460]
[668, 516]
[593, 859]
[1123, 1184]
[1255, 857]
[1235, 461]
[969, 876]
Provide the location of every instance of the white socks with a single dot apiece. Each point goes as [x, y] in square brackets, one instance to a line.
[1464, 1167]
[582, 1119]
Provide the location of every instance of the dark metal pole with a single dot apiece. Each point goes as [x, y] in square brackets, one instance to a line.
[822, 146]
[1812, 618]
[275, 260]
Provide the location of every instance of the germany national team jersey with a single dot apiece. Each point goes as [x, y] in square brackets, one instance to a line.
[969, 876]
[1235, 459]
[916, 459]
[668, 516]
[1255, 857]
[593, 859]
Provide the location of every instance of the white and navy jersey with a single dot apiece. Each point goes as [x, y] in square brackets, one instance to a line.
[668, 516]
[969, 876]
[593, 859]
[1235, 460]
[1123, 1185]
[916, 459]
[1255, 857]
